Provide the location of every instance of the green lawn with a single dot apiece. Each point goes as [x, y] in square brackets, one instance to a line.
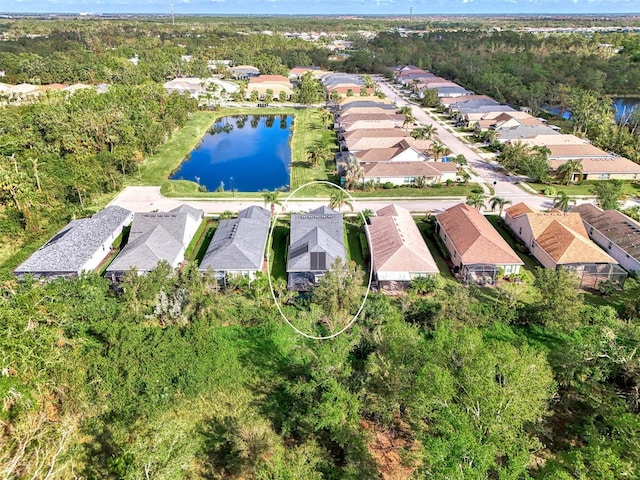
[198, 246]
[530, 263]
[307, 130]
[452, 191]
[354, 250]
[278, 248]
[427, 230]
[584, 189]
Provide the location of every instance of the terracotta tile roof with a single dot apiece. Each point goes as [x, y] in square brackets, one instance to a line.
[601, 165]
[617, 227]
[377, 154]
[475, 238]
[577, 151]
[270, 79]
[396, 243]
[565, 245]
[401, 169]
[518, 209]
[564, 238]
[376, 132]
[358, 98]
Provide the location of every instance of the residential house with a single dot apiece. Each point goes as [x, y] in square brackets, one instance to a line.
[316, 241]
[600, 168]
[616, 233]
[454, 102]
[398, 252]
[406, 173]
[238, 245]
[365, 139]
[79, 247]
[450, 91]
[244, 72]
[192, 86]
[477, 251]
[507, 120]
[156, 237]
[369, 121]
[558, 239]
[403, 151]
[296, 73]
[469, 116]
[525, 134]
[276, 83]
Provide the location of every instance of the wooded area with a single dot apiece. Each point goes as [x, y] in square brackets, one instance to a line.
[173, 379]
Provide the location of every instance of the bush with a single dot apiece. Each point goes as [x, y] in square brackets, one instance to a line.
[388, 185]
[424, 285]
[477, 190]
[607, 288]
[436, 185]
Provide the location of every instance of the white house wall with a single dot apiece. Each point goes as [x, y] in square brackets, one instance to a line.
[625, 260]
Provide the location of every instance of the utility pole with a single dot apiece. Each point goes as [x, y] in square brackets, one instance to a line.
[410, 16]
[173, 20]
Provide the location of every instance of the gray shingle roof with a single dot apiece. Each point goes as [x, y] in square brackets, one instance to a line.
[156, 236]
[320, 230]
[73, 246]
[239, 244]
[525, 131]
[617, 227]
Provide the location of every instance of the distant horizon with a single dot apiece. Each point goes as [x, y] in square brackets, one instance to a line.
[332, 8]
[328, 15]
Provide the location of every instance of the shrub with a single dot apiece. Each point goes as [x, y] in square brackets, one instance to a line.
[387, 185]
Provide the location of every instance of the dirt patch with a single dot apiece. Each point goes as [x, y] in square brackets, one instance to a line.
[393, 450]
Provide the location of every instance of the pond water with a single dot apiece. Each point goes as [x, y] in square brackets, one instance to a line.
[245, 153]
[622, 105]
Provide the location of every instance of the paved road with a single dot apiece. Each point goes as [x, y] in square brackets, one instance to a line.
[147, 199]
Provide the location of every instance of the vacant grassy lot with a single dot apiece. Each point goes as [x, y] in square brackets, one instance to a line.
[584, 189]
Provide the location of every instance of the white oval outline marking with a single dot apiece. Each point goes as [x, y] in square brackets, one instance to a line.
[273, 293]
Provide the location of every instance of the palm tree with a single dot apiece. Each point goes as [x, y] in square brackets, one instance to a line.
[513, 155]
[271, 199]
[353, 172]
[424, 133]
[476, 200]
[562, 201]
[439, 150]
[569, 169]
[338, 199]
[499, 202]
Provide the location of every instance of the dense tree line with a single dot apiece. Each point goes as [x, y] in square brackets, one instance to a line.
[61, 152]
[172, 378]
[94, 52]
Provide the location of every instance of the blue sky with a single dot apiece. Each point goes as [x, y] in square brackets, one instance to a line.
[335, 7]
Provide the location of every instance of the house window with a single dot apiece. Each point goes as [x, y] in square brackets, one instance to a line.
[634, 175]
[409, 179]
[318, 261]
[604, 176]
